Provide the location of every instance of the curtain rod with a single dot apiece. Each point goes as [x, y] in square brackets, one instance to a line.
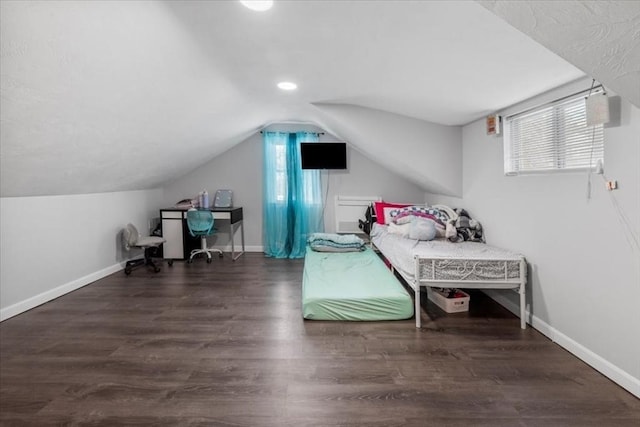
[591, 89]
[317, 133]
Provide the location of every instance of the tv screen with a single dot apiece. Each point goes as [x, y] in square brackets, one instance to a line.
[323, 155]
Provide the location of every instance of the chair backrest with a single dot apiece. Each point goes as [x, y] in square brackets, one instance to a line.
[130, 236]
[199, 222]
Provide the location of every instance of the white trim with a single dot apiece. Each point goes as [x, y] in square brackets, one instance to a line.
[238, 248]
[28, 304]
[608, 369]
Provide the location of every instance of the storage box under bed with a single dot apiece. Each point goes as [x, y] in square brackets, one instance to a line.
[457, 304]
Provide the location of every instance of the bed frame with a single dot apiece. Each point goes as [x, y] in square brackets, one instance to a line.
[427, 273]
[350, 209]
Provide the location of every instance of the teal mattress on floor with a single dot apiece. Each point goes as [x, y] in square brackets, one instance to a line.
[351, 286]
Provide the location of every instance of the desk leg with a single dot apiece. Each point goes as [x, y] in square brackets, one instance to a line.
[241, 224]
[242, 234]
[232, 230]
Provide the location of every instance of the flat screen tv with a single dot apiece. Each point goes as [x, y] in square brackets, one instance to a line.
[323, 155]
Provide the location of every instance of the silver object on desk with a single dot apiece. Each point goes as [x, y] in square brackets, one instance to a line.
[223, 199]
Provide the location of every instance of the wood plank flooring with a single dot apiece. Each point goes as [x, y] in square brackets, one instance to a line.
[224, 344]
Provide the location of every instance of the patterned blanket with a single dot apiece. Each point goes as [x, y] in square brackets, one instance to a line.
[457, 224]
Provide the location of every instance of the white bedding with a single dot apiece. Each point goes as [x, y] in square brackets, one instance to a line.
[441, 263]
[400, 252]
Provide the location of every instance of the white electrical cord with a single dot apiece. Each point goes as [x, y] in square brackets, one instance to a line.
[593, 140]
[629, 233]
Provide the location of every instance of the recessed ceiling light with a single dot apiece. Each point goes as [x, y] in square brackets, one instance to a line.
[258, 5]
[287, 86]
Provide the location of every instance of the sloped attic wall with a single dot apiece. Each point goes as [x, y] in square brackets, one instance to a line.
[599, 37]
[116, 96]
[427, 154]
[104, 96]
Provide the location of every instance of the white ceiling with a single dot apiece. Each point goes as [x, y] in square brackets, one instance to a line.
[111, 96]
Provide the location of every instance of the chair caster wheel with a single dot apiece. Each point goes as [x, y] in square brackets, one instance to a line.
[220, 255]
[157, 269]
[170, 262]
[208, 260]
[127, 271]
[189, 261]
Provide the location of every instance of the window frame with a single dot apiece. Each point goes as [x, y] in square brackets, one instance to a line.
[567, 136]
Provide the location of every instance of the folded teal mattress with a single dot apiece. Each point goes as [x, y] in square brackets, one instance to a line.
[351, 286]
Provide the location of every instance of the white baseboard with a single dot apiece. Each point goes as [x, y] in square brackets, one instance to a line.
[608, 369]
[238, 248]
[28, 304]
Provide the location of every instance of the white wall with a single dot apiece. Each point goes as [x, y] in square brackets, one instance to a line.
[52, 245]
[365, 177]
[584, 284]
[427, 154]
[240, 169]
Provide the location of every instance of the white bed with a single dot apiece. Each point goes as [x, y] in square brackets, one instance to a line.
[443, 264]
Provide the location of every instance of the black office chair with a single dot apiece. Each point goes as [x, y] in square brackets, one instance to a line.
[132, 239]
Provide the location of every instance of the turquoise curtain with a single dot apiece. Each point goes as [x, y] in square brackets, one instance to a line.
[292, 205]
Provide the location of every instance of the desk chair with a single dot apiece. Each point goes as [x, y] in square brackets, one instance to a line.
[132, 239]
[200, 224]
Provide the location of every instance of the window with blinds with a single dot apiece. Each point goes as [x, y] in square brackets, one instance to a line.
[553, 137]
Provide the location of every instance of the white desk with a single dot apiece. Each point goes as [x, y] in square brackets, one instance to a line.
[179, 242]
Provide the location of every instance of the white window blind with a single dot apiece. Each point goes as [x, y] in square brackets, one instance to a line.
[552, 137]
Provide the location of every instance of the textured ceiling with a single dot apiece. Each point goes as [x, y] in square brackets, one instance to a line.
[602, 37]
[110, 96]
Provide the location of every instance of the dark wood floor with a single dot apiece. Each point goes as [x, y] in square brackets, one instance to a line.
[225, 344]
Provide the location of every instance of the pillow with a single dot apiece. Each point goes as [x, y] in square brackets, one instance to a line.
[402, 230]
[382, 209]
[422, 229]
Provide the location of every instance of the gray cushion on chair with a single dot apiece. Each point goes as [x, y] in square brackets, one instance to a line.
[133, 239]
[145, 242]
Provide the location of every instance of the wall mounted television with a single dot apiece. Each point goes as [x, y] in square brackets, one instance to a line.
[323, 155]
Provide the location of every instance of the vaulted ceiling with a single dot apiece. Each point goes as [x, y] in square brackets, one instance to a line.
[111, 96]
